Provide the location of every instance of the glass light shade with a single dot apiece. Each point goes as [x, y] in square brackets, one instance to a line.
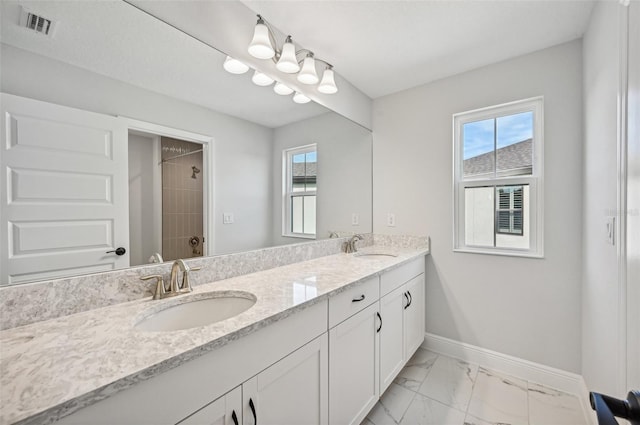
[260, 79]
[300, 98]
[328, 83]
[288, 62]
[308, 73]
[282, 89]
[234, 66]
[260, 46]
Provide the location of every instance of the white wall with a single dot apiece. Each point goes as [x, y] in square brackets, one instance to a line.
[242, 169]
[600, 274]
[142, 200]
[344, 181]
[531, 308]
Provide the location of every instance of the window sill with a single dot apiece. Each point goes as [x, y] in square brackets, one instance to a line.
[299, 236]
[503, 253]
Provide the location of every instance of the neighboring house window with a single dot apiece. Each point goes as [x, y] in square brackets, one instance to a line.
[300, 173]
[498, 167]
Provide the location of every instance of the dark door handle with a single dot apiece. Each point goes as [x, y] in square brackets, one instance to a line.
[234, 417]
[118, 251]
[379, 317]
[608, 407]
[360, 298]
[410, 298]
[253, 410]
[406, 295]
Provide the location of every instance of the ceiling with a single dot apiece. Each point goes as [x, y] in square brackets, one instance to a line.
[383, 47]
[117, 40]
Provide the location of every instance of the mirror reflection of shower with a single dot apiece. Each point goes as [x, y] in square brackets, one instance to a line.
[182, 219]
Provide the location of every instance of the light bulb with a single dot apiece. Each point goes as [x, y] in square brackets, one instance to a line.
[288, 62]
[308, 73]
[282, 89]
[260, 46]
[300, 98]
[328, 83]
[260, 79]
[234, 66]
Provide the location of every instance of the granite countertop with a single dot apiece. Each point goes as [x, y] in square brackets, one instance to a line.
[51, 368]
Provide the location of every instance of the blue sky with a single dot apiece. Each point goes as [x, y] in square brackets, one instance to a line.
[311, 157]
[479, 137]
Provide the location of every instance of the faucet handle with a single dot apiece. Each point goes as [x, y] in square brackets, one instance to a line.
[186, 284]
[160, 288]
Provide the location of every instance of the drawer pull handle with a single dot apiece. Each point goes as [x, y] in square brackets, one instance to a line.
[360, 298]
[406, 296]
[253, 410]
[379, 317]
[410, 298]
[234, 417]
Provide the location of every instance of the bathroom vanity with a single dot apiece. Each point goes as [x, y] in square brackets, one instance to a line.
[322, 342]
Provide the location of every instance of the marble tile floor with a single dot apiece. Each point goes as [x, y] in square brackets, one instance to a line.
[439, 390]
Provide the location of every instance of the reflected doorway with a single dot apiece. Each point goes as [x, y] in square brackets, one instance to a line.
[167, 196]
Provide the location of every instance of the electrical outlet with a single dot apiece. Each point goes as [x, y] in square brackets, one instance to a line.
[391, 220]
[355, 219]
[227, 218]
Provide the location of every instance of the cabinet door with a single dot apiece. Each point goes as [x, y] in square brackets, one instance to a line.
[353, 386]
[391, 336]
[414, 316]
[293, 391]
[226, 410]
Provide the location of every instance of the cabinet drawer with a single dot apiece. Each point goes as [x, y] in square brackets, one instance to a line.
[396, 277]
[353, 300]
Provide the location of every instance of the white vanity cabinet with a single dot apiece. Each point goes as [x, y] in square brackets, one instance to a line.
[292, 391]
[226, 410]
[402, 310]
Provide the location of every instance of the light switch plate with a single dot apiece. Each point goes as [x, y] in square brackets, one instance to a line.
[391, 220]
[227, 218]
[355, 219]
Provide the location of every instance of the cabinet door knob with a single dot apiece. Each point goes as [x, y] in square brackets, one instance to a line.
[234, 417]
[253, 410]
[360, 298]
[379, 317]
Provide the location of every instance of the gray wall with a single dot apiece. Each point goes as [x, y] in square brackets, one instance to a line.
[242, 169]
[344, 173]
[600, 273]
[528, 308]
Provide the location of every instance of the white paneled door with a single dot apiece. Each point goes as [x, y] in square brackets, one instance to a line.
[64, 191]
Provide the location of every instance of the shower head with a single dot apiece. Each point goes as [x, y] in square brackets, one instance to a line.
[196, 170]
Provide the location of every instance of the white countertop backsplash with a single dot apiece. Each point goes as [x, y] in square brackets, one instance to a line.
[53, 367]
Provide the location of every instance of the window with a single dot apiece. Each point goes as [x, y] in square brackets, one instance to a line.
[498, 179]
[300, 173]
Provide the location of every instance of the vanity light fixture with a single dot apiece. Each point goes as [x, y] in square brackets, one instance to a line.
[264, 46]
[260, 79]
[234, 66]
[300, 98]
[282, 89]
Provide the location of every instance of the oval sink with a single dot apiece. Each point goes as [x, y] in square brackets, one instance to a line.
[200, 310]
[373, 255]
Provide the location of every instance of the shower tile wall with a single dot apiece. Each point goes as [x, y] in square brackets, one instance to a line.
[181, 199]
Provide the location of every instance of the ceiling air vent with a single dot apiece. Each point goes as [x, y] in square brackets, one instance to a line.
[37, 23]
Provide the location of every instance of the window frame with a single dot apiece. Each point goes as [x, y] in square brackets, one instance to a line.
[288, 193]
[535, 205]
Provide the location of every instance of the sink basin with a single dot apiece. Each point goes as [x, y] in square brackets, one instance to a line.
[373, 255]
[198, 310]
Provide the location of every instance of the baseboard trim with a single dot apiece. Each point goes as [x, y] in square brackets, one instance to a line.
[559, 379]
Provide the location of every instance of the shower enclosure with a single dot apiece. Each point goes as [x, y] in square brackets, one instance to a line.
[182, 219]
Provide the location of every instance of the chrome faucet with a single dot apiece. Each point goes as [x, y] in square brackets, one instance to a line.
[175, 287]
[350, 246]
